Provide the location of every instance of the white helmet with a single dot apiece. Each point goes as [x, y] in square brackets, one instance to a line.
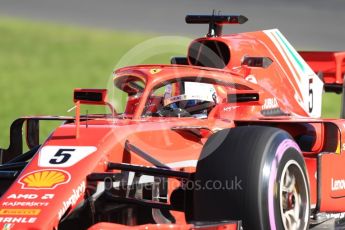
[194, 97]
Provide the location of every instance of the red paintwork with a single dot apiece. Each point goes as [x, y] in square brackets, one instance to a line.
[330, 64]
[109, 226]
[154, 135]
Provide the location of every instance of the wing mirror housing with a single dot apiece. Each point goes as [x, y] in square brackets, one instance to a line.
[90, 96]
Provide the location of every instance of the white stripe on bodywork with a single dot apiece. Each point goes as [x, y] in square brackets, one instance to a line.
[280, 47]
[296, 95]
[183, 164]
[302, 76]
[270, 34]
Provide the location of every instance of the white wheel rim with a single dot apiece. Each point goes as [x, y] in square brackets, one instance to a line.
[294, 197]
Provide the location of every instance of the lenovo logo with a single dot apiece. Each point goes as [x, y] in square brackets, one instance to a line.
[337, 185]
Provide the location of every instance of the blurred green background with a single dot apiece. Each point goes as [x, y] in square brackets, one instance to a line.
[41, 64]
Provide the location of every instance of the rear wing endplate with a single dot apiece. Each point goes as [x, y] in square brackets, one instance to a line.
[330, 66]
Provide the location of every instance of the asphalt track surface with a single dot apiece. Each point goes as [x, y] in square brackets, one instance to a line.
[308, 24]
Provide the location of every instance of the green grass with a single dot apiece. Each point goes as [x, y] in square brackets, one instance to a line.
[331, 105]
[41, 64]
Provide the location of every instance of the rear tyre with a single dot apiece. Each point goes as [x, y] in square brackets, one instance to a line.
[255, 174]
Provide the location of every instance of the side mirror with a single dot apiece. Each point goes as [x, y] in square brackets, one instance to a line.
[90, 96]
[179, 61]
[261, 62]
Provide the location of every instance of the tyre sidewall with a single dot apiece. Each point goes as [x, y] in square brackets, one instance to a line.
[290, 153]
[255, 155]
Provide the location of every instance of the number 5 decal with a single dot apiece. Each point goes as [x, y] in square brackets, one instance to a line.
[311, 96]
[63, 156]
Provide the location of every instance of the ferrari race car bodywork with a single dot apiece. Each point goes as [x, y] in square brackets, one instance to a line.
[228, 137]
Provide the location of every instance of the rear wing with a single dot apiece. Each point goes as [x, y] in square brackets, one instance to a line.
[330, 66]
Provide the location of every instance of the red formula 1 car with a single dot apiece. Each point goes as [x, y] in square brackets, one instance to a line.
[229, 137]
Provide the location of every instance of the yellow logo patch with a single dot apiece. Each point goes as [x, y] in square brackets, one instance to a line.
[154, 71]
[44, 179]
[20, 212]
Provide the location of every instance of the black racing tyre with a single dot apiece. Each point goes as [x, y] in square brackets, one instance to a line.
[255, 174]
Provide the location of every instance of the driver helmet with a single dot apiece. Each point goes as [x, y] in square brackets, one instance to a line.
[194, 97]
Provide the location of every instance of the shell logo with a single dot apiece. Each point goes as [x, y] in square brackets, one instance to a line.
[44, 179]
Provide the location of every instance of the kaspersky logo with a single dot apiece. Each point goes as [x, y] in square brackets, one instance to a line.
[44, 179]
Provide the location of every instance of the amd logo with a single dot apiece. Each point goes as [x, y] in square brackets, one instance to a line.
[30, 196]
